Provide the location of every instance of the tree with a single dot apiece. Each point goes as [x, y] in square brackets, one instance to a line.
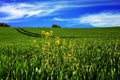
[4, 25]
[55, 26]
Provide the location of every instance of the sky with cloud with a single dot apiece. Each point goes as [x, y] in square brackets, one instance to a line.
[66, 13]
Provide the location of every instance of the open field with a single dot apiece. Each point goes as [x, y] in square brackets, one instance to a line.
[83, 54]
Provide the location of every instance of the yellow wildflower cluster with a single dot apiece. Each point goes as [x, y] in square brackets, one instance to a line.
[72, 57]
[69, 58]
[35, 43]
[70, 45]
[51, 32]
[57, 41]
[47, 34]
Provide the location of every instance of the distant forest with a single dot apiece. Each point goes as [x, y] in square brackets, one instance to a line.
[4, 25]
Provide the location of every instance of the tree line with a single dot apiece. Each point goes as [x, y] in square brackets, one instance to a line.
[56, 26]
[4, 25]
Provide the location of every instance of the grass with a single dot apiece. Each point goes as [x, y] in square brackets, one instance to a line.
[94, 54]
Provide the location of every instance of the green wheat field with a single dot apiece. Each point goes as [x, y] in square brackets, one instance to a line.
[72, 54]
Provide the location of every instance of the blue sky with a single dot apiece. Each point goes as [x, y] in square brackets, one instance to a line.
[66, 13]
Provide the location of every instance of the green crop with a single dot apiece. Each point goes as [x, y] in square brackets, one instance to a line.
[93, 55]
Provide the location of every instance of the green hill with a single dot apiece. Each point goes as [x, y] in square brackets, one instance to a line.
[12, 34]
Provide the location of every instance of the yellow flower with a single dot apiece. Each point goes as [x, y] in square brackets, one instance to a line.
[34, 41]
[70, 45]
[74, 59]
[65, 59]
[36, 45]
[57, 42]
[62, 47]
[64, 41]
[43, 48]
[47, 34]
[69, 55]
[51, 32]
[43, 32]
[57, 38]
[48, 43]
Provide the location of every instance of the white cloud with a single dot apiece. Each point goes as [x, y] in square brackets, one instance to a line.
[102, 19]
[22, 10]
[66, 19]
[96, 20]
[13, 11]
[59, 19]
